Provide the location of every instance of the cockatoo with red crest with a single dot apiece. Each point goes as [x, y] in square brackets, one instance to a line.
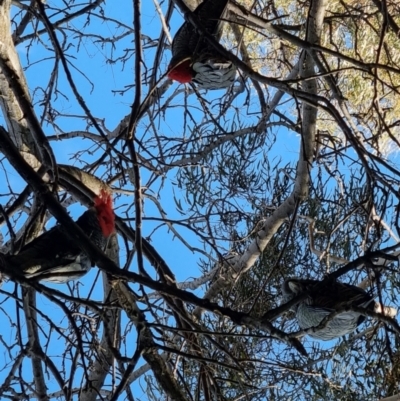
[54, 256]
[196, 60]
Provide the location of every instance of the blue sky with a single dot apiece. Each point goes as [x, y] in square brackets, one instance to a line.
[90, 58]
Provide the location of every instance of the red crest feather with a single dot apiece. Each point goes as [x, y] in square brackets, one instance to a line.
[182, 73]
[105, 213]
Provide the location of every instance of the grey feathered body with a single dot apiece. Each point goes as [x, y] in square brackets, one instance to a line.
[324, 299]
[53, 256]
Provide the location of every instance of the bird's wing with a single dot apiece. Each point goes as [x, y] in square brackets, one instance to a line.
[43, 247]
[186, 40]
[66, 270]
[50, 249]
[322, 312]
